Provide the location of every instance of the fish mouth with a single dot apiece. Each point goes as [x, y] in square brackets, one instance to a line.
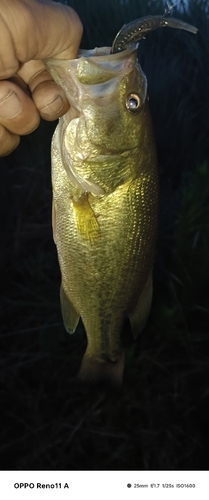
[104, 54]
[105, 67]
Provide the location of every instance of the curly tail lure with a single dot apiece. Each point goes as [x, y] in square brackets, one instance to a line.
[136, 30]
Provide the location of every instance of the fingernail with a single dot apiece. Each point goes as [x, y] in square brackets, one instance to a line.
[10, 106]
[54, 107]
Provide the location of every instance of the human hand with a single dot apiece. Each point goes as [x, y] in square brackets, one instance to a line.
[31, 31]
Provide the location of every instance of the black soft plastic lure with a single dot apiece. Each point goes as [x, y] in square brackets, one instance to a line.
[135, 30]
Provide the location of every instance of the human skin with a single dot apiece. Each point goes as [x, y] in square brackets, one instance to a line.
[31, 31]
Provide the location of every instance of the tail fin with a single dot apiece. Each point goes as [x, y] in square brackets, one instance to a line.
[95, 371]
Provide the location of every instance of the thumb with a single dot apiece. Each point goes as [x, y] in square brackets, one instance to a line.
[60, 31]
[36, 29]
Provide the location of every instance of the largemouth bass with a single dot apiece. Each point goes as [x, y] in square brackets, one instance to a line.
[105, 198]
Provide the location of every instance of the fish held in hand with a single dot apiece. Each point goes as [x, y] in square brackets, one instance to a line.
[105, 202]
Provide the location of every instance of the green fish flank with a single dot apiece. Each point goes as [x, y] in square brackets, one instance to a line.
[105, 203]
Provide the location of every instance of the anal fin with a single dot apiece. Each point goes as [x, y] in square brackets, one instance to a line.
[139, 315]
[97, 371]
[69, 314]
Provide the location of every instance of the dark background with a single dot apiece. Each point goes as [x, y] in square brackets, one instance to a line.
[160, 419]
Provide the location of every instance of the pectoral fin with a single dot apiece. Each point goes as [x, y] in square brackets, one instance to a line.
[86, 221]
[139, 316]
[69, 314]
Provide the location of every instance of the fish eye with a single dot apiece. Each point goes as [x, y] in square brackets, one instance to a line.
[133, 103]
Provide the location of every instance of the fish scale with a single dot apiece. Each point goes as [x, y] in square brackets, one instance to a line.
[105, 197]
[105, 242]
[104, 277]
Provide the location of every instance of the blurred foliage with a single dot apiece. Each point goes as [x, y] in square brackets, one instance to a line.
[184, 275]
[160, 419]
